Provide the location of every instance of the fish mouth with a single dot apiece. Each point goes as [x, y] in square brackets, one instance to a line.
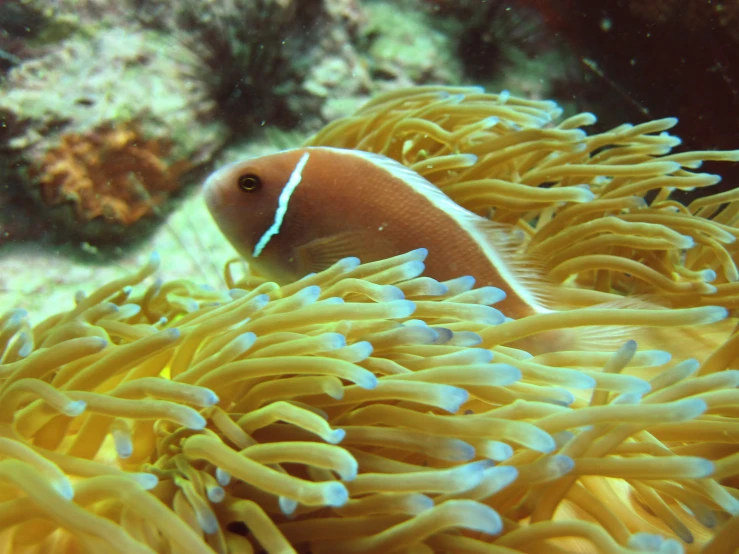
[214, 207]
[212, 186]
[210, 196]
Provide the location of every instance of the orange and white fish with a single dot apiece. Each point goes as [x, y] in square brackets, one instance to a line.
[301, 210]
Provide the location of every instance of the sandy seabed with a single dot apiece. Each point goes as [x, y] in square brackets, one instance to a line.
[44, 282]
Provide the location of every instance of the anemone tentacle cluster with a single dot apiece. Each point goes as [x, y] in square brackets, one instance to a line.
[348, 412]
[596, 210]
[368, 408]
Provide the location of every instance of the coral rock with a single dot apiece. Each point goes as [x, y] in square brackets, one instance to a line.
[112, 172]
[67, 136]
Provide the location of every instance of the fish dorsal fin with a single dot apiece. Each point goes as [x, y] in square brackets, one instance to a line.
[501, 243]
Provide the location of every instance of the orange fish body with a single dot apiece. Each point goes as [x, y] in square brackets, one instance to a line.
[345, 203]
[299, 211]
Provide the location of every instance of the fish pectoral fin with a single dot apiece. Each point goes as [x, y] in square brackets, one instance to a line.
[320, 254]
[525, 274]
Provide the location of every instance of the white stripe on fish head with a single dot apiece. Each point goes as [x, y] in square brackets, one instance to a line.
[295, 177]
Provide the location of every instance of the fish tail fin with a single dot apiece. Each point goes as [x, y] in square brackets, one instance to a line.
[684, 333]
[692, 341]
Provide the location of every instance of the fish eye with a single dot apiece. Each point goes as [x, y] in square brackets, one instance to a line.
[249, 182]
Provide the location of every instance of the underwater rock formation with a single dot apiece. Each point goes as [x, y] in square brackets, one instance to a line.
[111, 175]
[197, 75]
[90, 94]
[399, 39]
[293, 64]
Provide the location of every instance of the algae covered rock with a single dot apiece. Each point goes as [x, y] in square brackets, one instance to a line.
[404, 46]
[98, 117]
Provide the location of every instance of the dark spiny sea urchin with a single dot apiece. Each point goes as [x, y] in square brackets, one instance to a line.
[249, 54]
[494, 33]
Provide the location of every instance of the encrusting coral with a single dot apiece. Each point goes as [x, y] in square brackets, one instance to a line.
[368, 408]
[117, 83]
[112, 173]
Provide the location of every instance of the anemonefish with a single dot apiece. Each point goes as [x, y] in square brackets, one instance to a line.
[299, 211]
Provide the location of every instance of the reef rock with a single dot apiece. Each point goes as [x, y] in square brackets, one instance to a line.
[96, 118]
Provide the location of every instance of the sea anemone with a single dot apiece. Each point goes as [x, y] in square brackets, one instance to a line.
[595, 210]
[368, 408]
[351, 411]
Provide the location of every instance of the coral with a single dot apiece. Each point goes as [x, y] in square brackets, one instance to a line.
[399, 40]
[112, 173]
[299, 64]
[258, 58]
[113, 75]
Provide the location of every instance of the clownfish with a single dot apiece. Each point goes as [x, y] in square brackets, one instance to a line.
[299, 211]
